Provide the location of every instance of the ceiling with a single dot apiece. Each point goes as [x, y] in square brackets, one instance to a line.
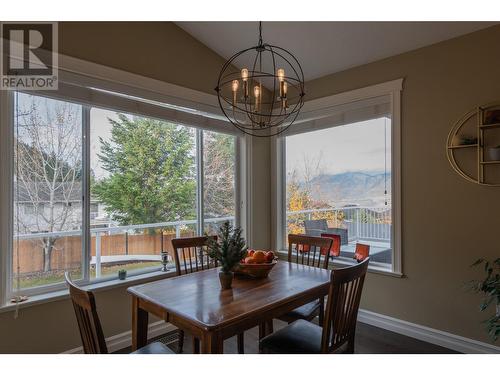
[328, 47]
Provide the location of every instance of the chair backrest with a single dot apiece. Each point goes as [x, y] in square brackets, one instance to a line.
[335, 250]
[307, 250]
[342, 307]
[190, 256]
[315, 227]
[88, 321]
[362, 252]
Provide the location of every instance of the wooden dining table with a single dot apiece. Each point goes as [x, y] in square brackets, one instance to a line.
[196, 304]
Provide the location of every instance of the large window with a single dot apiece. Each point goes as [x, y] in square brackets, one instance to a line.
[98, 190]
[338, 171]
[47, 191]
[338, 180]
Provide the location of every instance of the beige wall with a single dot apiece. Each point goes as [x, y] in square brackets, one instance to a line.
[447, 221]
[52, 328]
[159, 50]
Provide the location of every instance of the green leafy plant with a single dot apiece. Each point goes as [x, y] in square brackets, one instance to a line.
[229, 249]
[490, 287]
[122, 274]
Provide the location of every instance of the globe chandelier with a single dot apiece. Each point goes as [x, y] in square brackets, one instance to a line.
[265, 97]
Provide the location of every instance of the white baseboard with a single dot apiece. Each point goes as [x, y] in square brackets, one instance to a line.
[419, 332]
[431, 335]
[124, 340]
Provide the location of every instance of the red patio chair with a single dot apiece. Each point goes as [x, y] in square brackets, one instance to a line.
[362, 252]
[335, 250]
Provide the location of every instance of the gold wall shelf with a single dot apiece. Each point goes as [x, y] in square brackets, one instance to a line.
[482, 133]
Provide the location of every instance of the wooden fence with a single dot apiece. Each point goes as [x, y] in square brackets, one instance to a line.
[67, 252]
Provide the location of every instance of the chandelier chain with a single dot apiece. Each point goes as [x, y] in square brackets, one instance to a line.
[260, 33]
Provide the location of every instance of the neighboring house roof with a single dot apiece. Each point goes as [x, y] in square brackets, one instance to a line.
[64, 192]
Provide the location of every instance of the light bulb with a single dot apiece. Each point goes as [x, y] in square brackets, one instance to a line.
[281, 74]
[256, 91]
[235, 85]
[244, 74]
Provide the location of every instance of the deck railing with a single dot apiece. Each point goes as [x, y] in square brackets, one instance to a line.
[97, 236]
[362, 223]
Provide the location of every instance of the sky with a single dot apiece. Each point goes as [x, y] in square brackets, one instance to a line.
[353, 147]
[99, 127]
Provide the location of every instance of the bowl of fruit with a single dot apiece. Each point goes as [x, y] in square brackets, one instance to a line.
[257, 264]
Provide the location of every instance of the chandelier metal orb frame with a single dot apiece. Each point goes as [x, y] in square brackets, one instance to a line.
[264, 98]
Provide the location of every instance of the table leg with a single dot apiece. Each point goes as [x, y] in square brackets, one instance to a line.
[212, 343]
[139, 325]
[196, 345]
[265, 328]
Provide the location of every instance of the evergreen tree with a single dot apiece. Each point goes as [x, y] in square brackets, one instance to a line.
[152, 171]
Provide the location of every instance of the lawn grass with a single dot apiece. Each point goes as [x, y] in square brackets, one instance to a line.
[52, 277]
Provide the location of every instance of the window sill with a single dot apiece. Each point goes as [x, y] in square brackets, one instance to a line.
[96, 287]
[372, 268]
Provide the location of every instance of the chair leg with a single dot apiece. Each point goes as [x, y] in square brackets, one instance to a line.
[350, 347]
[241, 343]
[181, 341]
[321, 311]
[269, 327]
[262, 330]
[196, 345]
[350, 343]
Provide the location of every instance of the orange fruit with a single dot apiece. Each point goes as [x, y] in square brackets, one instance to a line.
[269, 256]
[259, 256]
[250, 253]
[249, 260]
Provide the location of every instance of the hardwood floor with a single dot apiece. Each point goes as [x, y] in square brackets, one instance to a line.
[369, 340]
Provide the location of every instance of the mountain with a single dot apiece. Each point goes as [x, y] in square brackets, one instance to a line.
[362, 188]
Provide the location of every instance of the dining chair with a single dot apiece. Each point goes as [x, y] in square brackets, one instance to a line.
[335, 250]
[190, 256]
[310, 251]
[304, 250]
[338, 331]
[362, 252]
[90, 327]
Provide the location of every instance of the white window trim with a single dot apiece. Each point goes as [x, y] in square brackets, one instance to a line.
[315, 109]
[81, 72]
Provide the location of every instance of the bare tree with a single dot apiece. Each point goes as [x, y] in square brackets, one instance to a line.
[48, 151]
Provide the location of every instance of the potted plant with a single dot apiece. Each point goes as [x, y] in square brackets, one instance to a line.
[122, 274]
[494, 153]
[228, 250]
[490, 287]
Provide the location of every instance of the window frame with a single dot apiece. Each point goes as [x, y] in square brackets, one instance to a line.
[317, 108]
[77, 71]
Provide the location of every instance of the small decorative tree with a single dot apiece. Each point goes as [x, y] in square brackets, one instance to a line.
[228, 251]
[490, 287]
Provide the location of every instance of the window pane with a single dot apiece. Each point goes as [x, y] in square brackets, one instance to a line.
[219, 179]
[143, 190]
[339, 181]
[47, 191]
